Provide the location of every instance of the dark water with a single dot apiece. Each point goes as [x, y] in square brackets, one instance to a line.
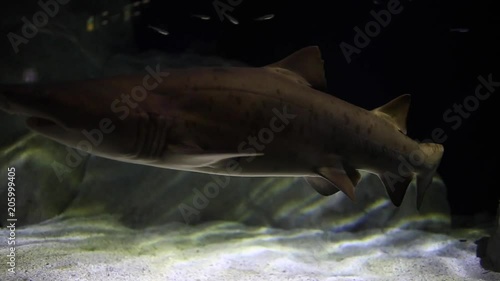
[99, 217]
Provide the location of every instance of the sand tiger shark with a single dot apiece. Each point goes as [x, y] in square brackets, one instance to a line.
[271, 121]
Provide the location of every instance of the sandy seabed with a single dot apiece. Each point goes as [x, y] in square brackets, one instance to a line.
[100, 248]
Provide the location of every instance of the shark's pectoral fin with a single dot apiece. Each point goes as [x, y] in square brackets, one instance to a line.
[191, 154]
[396, 187]
[214, 160]
[322, 186]
[339, 178]
[395, 111]
[306, 67]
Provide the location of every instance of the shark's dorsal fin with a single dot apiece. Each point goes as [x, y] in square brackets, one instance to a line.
[307, 64]
[395, 111]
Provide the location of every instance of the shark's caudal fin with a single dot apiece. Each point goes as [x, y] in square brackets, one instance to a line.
[304, 66]
[396, 185]
[433, 153]
[395, 112]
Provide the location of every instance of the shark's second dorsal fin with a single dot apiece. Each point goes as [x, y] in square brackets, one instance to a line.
[307, 64]
[395, 111]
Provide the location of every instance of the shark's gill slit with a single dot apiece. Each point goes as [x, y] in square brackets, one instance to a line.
[151, 140]
[163, 129]
[140, 136]
[157, 123]
[150, 134]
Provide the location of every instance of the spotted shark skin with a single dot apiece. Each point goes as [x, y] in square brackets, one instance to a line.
[272, 121]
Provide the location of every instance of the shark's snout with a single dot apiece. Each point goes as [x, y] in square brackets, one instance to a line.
[32, 102]
[20, 99]
[4, 103]
[50, 129]
[42, 107]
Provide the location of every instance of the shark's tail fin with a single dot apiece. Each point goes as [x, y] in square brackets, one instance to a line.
[432, 153]
[395, 112]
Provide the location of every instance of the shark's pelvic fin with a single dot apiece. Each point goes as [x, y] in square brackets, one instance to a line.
[352, 173]
[339, 179]
[331, 180]
[396, 111]
[322, 186]
[307, 64]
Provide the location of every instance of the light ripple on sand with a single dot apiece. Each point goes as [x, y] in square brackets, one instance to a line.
[93, 248]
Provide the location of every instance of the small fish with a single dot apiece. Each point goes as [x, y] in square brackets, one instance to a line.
[232, 19]
[30, 75]
[459, 29]
[201, 17]
[265, 17]
[159, 30]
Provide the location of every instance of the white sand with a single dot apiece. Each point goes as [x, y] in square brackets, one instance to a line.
[102, 249]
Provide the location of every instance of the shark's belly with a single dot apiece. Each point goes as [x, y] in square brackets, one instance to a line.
[247, 166]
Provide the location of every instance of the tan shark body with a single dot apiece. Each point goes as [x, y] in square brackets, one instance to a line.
[271, 121]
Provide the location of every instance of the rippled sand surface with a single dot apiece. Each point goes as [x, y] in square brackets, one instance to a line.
[100, 248]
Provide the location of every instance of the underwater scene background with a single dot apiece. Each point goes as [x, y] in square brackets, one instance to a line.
[83, 217]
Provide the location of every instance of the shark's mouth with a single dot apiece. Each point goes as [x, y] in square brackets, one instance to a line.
[37, 122]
